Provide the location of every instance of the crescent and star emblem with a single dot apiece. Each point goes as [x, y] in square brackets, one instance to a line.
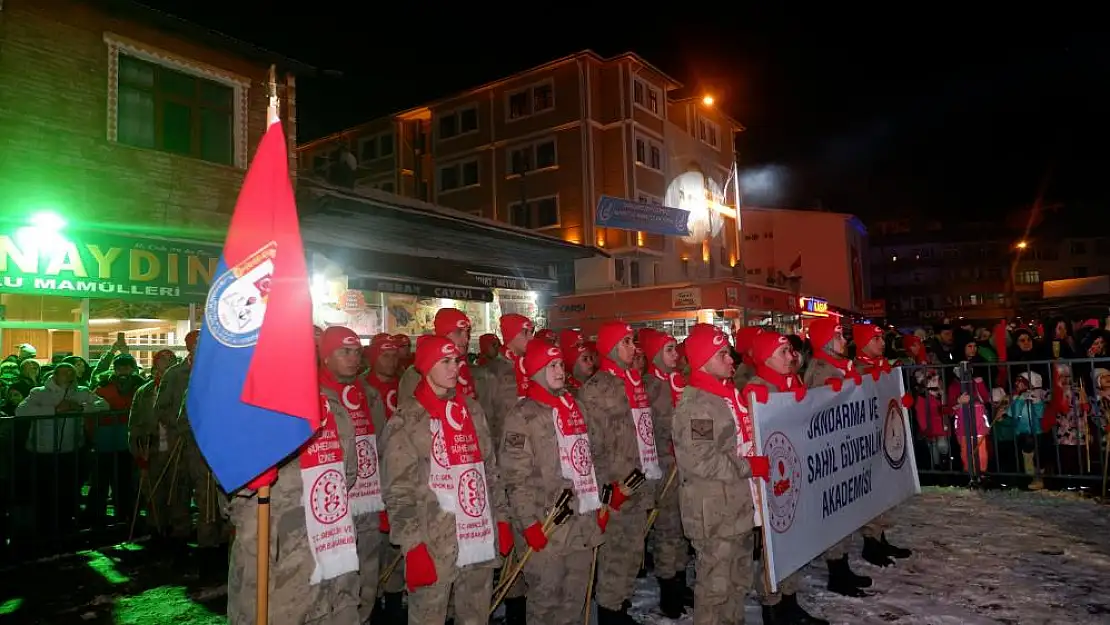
[454, 423]
[346, 400]
[391, 400]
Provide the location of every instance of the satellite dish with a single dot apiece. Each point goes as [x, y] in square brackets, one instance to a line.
[695, 193]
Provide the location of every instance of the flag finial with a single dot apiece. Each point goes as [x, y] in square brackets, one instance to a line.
[272, 116]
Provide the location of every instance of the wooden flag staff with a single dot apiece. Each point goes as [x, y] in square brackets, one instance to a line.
[263, 573]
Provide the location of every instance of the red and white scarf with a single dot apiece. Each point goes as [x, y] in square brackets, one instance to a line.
[466, 380]
[745, 429]
[640, 407]
[575, 459]
[366, 494]
[522, 381]
[327, 512]
[674, 379]
[457, 475]
[388, 390]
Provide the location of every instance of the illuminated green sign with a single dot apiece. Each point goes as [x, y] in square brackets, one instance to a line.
[44, 261]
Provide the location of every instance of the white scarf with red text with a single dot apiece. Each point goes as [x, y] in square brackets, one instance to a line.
[327, 513]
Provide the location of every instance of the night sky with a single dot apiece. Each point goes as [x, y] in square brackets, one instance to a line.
[875, 114]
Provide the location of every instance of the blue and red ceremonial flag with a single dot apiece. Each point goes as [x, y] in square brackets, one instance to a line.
[253, 397]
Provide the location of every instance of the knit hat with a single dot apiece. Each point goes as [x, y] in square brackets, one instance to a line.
[336, 338]
[546, 335]
[448, 320]
[704, 341]
[402, 340]
[821, 332]
[765, 345]
[538, 355]
[864, 332]
[611, 333]
[572, 346]
[744, 336]
[653, 343]
[486, 341]
[432, 349]
[513, 324]
[380, 343]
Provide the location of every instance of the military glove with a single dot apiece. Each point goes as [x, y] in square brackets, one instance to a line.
[505, 538]
[618, 497]
[799, 392]
[603, 518]
[835, 384]
[907, 400]
[383, 522]
[534, 536]
[420, 569]
[760, 466]
[854, 376]
[761, 392]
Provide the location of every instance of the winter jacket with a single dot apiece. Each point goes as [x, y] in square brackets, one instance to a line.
[60, 435]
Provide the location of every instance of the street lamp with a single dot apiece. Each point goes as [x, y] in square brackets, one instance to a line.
[1021, 245]
[707, 100]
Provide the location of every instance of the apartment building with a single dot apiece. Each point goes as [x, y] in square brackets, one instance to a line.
[538, 149]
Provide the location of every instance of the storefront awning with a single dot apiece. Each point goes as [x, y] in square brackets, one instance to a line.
[388, 223]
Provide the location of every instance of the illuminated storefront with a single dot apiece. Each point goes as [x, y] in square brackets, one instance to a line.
[675, 308]
[68, 291]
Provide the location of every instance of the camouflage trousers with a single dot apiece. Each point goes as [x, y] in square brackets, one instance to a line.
[389, 554]
[668, 543]
[618, 560]
[557, 582]
[788, 586]
[724, 575]
[206, 493]
[467, 591]
[292, 600]
[370, 541]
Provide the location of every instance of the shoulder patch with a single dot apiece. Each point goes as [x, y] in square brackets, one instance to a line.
[515, 440]
[701, 429]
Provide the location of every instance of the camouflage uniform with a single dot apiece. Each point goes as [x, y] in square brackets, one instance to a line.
[407, 386]
[715, 499]
[744, 373]
[293, 600]
[668, 544]
[367, 526]
[171, 516]
[605, 405]
[532, 472]
[197, 480]
[415, 516]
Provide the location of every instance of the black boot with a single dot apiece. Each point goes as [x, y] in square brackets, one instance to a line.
[670, 596]
[892, 551]
[605, 616]
[796, 614]
[687, 592]
[845, 582]
[875, 553]
[516, 611]
[773, 615]
[390, 610]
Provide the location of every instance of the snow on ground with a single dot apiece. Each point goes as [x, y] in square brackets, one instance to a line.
[980, 558]
[1009, 557]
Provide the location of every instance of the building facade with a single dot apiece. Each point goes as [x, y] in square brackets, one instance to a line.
[538, 149]
[926, 271]
[126, 134]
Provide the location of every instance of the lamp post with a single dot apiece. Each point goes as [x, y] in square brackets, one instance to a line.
[740, 239]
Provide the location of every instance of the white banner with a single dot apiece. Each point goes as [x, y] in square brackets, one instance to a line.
[838, 460]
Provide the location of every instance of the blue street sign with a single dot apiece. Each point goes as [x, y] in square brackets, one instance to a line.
[613, 212]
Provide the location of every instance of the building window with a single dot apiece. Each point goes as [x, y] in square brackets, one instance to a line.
[634, 273]
[645, 96]
[649, 154]
[709, 133]
[534, 214]
[1078, 248]
[168, 110]
[530, 101]
[1079, 272]
[375, 147]
[532, 157]
[458, 175]
[459, 122]
[1031, 276]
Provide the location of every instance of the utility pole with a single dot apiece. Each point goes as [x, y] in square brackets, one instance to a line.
[740, 257]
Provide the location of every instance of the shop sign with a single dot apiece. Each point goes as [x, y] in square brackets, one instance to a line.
[421, 289]
[686, 299]
[572, 308]
[511, 283]
[613, 212]
[813, 306]
[99, 265]
[874, 308]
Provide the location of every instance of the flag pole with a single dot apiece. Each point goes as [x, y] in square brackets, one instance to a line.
[262, 603]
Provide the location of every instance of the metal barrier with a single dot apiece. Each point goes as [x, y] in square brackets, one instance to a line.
[1028, 424]
[66, 481]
